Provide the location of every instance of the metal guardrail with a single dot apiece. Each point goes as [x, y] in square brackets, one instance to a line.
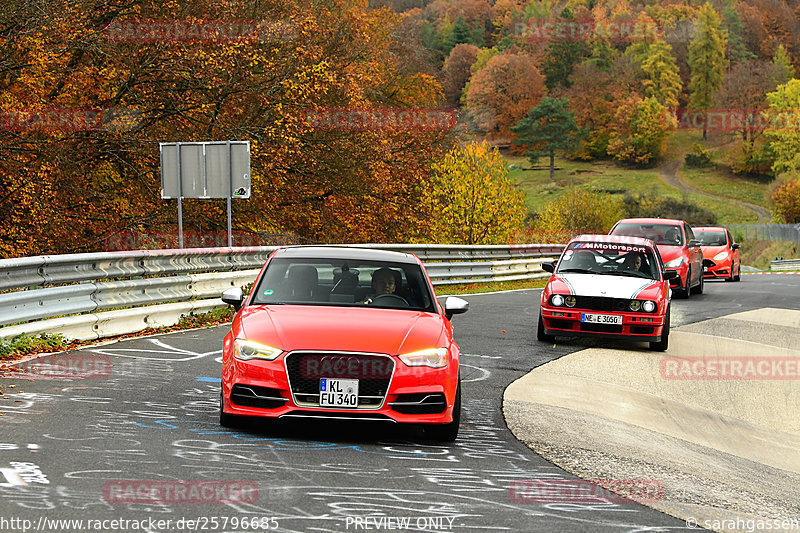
[786, 264]
[82, 296]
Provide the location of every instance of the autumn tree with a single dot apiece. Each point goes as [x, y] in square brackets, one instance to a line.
[561, 57]
[471, 198]
[744, 92]
[707, 60]
[783, 131]
[579, 211]
[640, 132]
[548, 127]
[503, 92]
[737, 48]
[456, 71]
[787, 201]
[660, 75]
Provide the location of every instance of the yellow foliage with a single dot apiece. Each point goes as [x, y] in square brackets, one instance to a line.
[579, 211]
[471, 199]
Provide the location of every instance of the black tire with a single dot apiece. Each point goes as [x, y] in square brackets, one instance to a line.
[226, 420]
[699, 288]
[685, 293]
[738, 275]
[447, 432]
[663, 344]
[541, 336]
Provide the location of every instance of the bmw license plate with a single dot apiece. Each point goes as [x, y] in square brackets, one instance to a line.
[338, 393]
[601, 319]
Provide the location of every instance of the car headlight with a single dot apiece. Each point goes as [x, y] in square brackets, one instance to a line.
[720, 256]
[675, 263]
[570, 301]
[557, 300]
[434, 358]
[648, 306]
[635, 305]
[245, 350]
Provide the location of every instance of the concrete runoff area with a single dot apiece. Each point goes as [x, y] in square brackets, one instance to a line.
[722, 448]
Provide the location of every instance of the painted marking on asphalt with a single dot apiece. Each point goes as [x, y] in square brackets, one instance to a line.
[207, 380]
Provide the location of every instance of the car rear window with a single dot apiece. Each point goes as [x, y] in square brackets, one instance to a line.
[340, 282]
[664, 234]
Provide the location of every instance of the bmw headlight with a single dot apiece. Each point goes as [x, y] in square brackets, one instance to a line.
[245, 350]
[570, 301]
[635, 305]
[675, 263]
[434, 358]
[720, 256]
[648, 306]
[557, 300]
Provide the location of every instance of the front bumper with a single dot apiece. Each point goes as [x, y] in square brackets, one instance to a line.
[260, 388]
[718, 270]
[645, 327]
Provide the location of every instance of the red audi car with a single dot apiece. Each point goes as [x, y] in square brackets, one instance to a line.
[607, 286]
[720, 254]
[343, 333]
[676, 243]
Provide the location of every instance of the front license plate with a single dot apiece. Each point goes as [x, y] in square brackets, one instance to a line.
[601, 319]
[338, 393]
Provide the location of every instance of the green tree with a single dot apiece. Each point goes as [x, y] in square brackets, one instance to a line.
[707, 60]
[640, 131]
[784, 71]
[561, 57]
[549, 127]
[471, 198]
[737, 49]
[783, 131]
[460, 34]
[660, 70]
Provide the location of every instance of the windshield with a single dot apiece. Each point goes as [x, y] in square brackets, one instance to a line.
[609, 258]
[664, 234]
[711, 237]
[341, 282]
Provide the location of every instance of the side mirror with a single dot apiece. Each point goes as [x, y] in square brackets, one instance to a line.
[549, 266]
[671, 274]
[455, 306]
[694, 243]
[735, 246]
[233, 297]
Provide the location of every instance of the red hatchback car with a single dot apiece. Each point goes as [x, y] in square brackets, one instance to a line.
[720, 254]
[607, 286]
[343, 333]
[679, 249]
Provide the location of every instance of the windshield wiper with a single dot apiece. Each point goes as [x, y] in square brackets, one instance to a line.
[580, 270]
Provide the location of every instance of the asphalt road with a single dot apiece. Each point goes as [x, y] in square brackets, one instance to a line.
[71, 449]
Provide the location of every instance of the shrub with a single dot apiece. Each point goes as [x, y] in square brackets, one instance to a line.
[579, 211]
[651, 205]
[698, 157]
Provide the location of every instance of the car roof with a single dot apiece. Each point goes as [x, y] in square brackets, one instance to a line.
[717, 228]
[617, 239]
[652, 220]
[345, 252]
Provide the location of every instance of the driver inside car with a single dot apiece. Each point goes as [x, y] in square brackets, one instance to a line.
[383, 282]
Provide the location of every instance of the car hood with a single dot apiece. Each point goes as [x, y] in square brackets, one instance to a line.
[668, 253]
[308, 327]
[711, 251]
[605, 285]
